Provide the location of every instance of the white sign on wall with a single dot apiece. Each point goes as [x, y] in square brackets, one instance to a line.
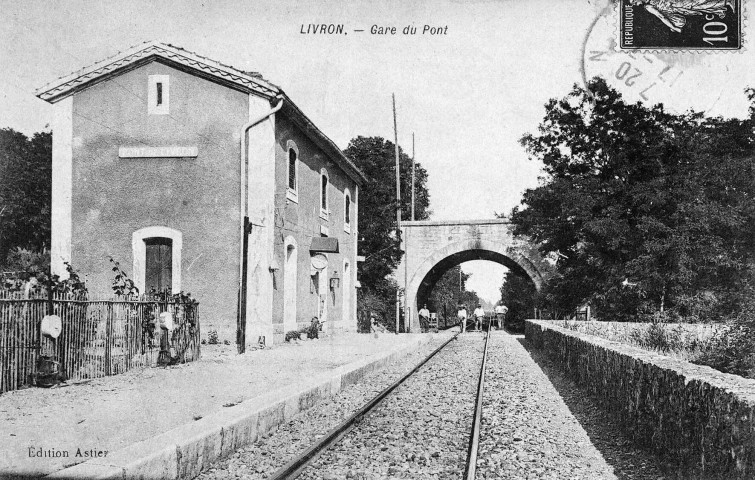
[157, 152]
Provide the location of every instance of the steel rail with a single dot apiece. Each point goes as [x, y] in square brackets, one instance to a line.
[474, 437]
[293, 468]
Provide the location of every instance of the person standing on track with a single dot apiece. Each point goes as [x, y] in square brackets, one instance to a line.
[479, 314]
[462, 316]
[424, 319]
[500, 314]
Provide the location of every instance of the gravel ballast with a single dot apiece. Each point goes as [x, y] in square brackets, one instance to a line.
[527, 430]
[536, 424]
[264, 457]
[421, 430]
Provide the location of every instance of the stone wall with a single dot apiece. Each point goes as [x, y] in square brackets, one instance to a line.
[691, 416]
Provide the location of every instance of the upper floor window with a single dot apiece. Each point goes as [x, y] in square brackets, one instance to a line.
[292, 169]
[347, 211]
[292, 172]
[158, 97]
[324, 193]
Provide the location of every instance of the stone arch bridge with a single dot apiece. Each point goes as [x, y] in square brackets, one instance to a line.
[431, 248]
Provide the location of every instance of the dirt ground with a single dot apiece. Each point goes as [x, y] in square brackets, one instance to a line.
[109, 413]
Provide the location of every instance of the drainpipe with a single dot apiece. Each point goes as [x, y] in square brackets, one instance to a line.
[246, 227]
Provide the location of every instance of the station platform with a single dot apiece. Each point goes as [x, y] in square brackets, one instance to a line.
[170, 422]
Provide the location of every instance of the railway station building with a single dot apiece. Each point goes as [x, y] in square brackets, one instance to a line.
[159, 155]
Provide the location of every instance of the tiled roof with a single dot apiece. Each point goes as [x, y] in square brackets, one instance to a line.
[65, 86]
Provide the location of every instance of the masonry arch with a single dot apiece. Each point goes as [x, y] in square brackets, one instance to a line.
[433, 247]
[433, 268]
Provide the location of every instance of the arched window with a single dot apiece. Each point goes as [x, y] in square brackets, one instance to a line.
[292, 172]
[347, 211]
[324, 193]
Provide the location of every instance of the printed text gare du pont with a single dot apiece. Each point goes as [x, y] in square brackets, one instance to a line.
[340, 29]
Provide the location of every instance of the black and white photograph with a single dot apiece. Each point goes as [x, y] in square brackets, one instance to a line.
[366, 240]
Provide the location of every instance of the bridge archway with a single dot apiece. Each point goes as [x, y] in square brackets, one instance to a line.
[432, 248]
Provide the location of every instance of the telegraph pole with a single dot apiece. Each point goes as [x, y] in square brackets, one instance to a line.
[413, 169]
[407, 313]
[398, 203]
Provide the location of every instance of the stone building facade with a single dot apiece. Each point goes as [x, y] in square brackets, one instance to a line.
[160, 154]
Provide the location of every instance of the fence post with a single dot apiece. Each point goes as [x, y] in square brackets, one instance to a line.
[108, 336]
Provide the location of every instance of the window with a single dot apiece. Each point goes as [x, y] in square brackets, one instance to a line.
[347, 211]
[324, 194]
[292, 170]
[158, 97]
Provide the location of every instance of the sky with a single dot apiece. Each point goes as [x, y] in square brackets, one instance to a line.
[468, 95]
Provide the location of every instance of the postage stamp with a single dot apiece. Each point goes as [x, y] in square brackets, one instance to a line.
[680, 24]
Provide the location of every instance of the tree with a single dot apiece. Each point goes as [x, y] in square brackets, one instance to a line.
[450, 291]
[647, 211]
[519, 295]
[25, 191]
[378, 240]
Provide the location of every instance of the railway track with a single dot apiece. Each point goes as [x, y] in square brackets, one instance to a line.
[393, 411]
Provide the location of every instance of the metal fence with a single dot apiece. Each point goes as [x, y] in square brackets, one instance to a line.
[98, 337]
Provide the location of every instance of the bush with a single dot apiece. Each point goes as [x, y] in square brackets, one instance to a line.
[731, 350]
[659, 337]
[212, 337]
[379, 305]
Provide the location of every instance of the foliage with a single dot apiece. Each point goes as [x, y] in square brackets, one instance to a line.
[685, 341]
[31, 273]
[378, 240]
[212, 337]
[122, 285]
[660, 337]
[519, 295]
[379, 305]
[647, 211]
[73, 285]
[732, 350]
[25, 261]
[451, 290]
[25, 191]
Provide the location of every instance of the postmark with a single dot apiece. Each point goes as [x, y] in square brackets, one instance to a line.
[680, 24]
[665, 76]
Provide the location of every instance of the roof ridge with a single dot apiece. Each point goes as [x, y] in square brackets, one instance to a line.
[59, 87]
